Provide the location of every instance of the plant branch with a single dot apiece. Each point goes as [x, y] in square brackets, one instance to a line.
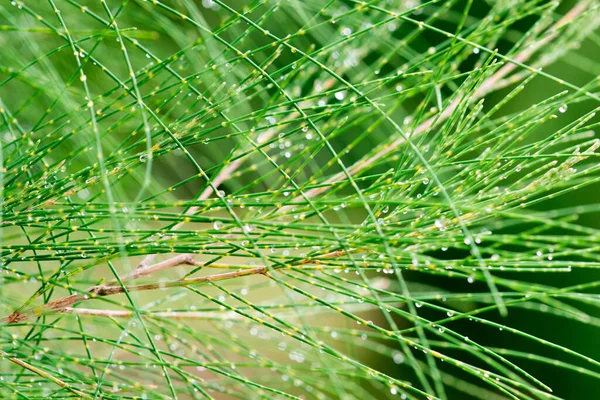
[44, 374]
[158, 314]
[62, 304]
[150, 269]
[65, 304]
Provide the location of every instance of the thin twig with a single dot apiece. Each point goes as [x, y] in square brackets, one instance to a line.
[157, 314]
[45, 375]
[62, 304]
[65, 304]
[150, 269]
[108, 290]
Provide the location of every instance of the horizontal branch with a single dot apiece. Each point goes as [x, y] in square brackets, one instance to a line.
[150, 269]
[157, 314]
[63, 304]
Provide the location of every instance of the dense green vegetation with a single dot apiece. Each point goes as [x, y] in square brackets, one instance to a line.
[330, 199]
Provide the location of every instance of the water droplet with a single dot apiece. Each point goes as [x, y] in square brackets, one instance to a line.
[398, 357]
[221, 193]
[562, 109]
[341, 95]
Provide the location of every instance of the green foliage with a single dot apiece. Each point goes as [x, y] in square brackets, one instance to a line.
[299, 199]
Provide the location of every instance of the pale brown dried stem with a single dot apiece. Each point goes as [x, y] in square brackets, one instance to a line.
[65, 304]
[157, 314]
[110, 289]
[150, 269]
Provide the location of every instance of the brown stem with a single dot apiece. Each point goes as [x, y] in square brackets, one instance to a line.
[150, 269]
[109, 290]
[61, 305]
[65, 304]
[159, 314]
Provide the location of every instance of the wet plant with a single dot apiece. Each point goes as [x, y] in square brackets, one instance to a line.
[299, 199]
